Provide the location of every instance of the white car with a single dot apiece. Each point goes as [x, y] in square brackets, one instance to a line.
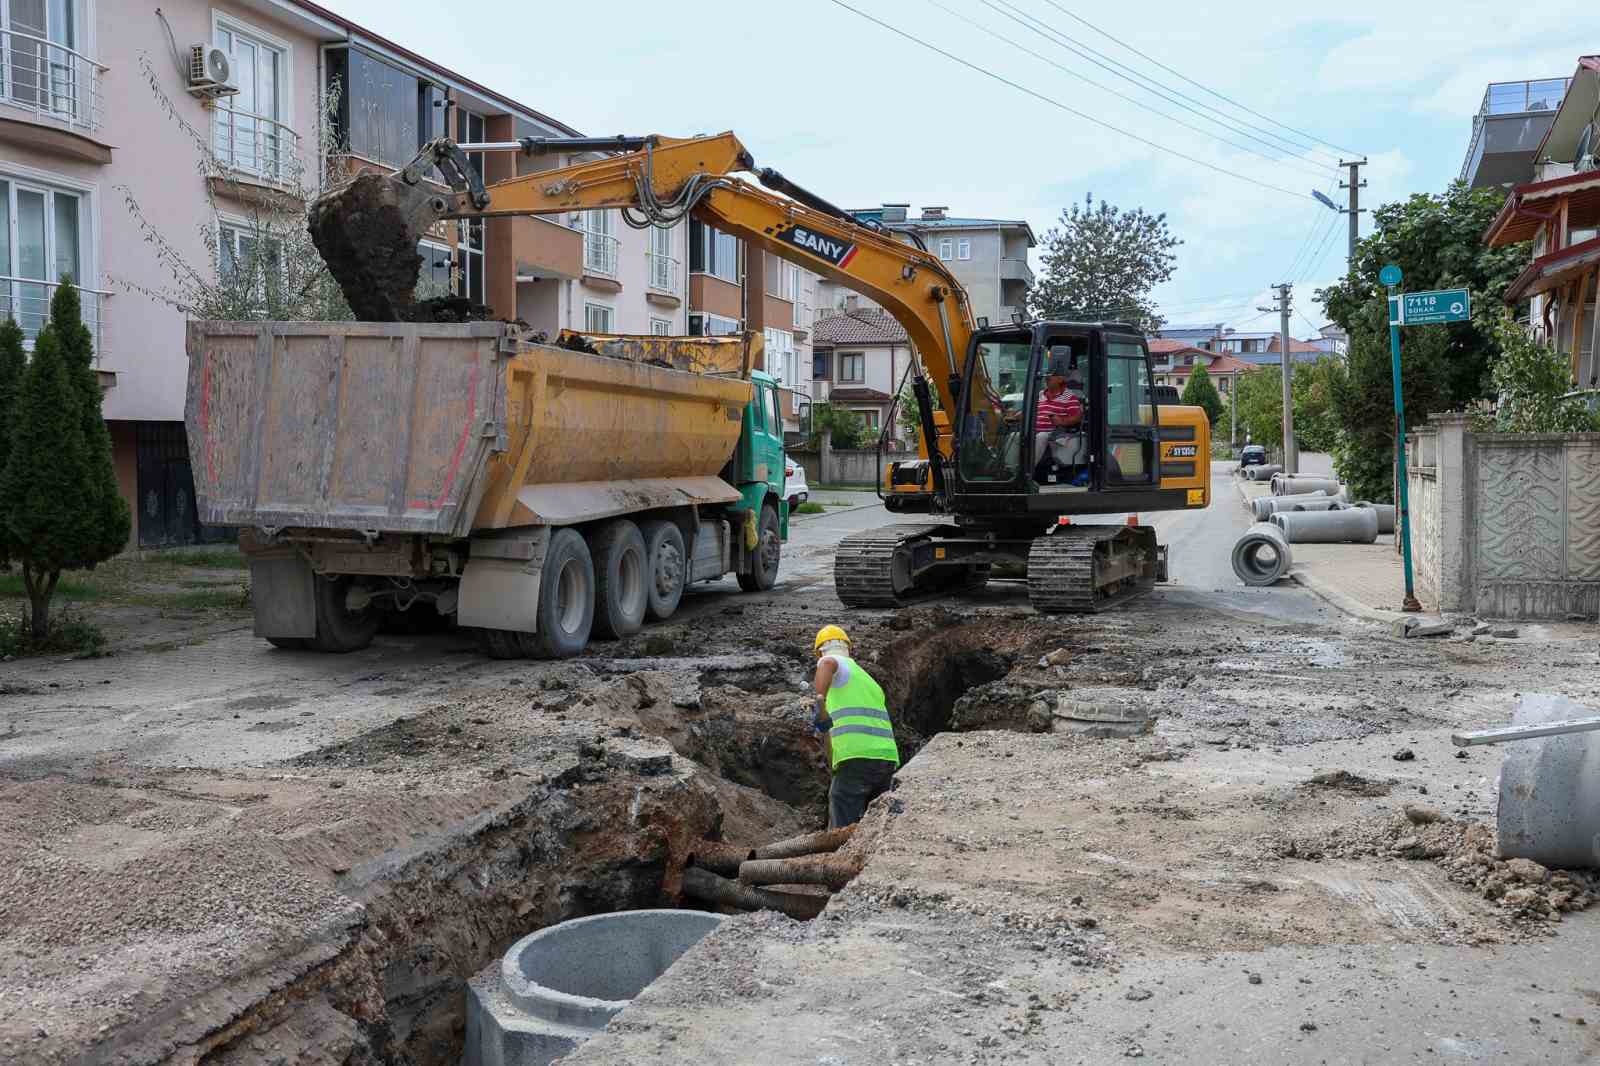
[794, 483]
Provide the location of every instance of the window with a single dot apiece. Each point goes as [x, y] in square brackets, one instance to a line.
[774, 412]
[1127, 384]
[663, 267]
[41, 239]
[852, 368]
[782, 361]
[249, 130]
[469, 249]
[822, 365]
[713, 252]
[252, 261]
[947, 248]
[37, 67]
[705, 324]
[434, 279]
[868, 415]
[469, 130]
[963, 249]
[660, 327]
[596, 318]
[599, 246]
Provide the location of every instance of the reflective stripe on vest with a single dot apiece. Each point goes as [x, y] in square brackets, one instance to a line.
[859, 719]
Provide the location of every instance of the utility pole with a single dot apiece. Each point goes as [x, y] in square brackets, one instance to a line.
[1291, 453]
[1233, 411]
[1355, 185]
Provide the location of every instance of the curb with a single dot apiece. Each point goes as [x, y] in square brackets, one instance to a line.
[1356, 609]
[835, 510]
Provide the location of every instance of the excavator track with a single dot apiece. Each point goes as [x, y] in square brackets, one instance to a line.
[1085, 569]
[864, 573]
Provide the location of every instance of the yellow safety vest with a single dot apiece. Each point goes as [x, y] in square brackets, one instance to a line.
[858, 717]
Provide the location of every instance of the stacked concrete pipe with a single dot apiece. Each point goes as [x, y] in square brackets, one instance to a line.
[1299, 484]
[1263, 473]
[1261, 556]
[556, 988]
[1352, 525]
[1385, 513]
[1264, 507]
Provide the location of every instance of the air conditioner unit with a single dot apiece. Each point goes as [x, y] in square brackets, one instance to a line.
[211, 72]
[1588, 155]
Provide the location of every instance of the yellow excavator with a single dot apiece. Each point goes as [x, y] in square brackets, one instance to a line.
[995, 488]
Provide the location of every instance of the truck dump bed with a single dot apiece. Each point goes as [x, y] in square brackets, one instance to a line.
[443, 429]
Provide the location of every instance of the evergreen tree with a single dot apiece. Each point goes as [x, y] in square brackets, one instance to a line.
[13, 364]
[1102, 263]
[48, 477]
[1199, 392]
[113, 519]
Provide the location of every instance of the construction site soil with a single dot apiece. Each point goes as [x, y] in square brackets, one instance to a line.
[330, 906]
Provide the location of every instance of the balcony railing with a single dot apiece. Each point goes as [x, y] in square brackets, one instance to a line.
[600, 254]
[256, 146]
[663, 272]
[50, 80]
[28, 301]
[1512, 98]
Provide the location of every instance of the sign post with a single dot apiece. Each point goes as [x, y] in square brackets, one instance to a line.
[1413, 309]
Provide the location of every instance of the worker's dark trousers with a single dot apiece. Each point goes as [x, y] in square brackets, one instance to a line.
[856, 783]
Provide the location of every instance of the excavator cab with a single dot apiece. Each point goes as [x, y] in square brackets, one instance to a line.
[1011, 458]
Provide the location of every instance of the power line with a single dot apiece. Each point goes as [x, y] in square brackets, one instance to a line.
[1205, 88]
[1134, 77]
[1320, 256]
[1314, 247]
[1114, 92]
[986, 72]
[1307, 321]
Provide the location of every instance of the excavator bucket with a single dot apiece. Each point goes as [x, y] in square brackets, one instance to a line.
[367, 231]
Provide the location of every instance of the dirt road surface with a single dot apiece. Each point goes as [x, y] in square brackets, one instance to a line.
[224, 853]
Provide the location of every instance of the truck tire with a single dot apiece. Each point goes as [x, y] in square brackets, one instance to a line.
[621, 577]
[566, 598]
[669, 565]
[763, 572]
[288, 643]
[340, 629]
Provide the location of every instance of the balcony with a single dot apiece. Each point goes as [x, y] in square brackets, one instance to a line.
[257, 150]
[663, 273]
[600, 254]
[543, 249]
[1016, 270]
[28, 301]
[1511, 121]
[50, 81]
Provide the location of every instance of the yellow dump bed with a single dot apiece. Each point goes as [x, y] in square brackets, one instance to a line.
[446, 429]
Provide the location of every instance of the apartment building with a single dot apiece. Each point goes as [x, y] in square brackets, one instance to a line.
[81, 121]
[723, 299]
[988, 256]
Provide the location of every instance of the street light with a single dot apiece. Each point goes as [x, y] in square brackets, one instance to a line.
[1325, 202]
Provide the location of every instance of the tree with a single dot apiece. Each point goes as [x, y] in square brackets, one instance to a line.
[1102, 263]
[1316, 423]
[909, 412]
[849, 430]
[1437, 240]
[1530, 381]
[261, 263]
[1199, 392]
[1258, 397]
[13, 365]
[114, 522]
[47, 477]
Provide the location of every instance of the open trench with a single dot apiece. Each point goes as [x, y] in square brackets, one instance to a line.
[608, 828]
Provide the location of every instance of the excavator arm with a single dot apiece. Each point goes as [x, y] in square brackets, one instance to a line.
[368, 230]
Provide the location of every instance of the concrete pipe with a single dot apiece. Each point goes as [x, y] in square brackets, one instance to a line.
[1385, 513]
[1353, 525]
[805, 870]
[1264, 472]
[720, 858]
[1296, 485]
[1310, 503]
[805, 844]
[705, 885]
[1262, 556]
[556, 988]
[1550, 789]
[1264, 507]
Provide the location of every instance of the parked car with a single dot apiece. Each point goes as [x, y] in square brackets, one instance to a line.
[794, 483]
[1253, 455]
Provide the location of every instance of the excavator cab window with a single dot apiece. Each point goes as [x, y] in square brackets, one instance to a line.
[995, 408]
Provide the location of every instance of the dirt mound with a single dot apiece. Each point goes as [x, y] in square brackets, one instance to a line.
[1349, 782]
[366, 234]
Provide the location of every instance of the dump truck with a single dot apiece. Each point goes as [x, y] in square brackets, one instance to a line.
[536, 493]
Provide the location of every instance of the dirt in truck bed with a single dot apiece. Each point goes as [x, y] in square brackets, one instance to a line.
[370, 247]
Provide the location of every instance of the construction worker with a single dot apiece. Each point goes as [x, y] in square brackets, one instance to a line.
[854, 718]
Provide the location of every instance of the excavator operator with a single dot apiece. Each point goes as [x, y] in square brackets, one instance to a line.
[1059, 447]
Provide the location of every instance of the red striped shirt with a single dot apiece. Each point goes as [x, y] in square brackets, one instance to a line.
[1063, 403]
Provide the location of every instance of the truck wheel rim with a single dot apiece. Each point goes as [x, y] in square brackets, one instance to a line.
[569, 597]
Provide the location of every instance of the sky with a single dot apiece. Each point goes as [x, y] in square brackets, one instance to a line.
[861, 115]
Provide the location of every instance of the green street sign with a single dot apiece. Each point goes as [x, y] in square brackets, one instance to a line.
[1426, 308]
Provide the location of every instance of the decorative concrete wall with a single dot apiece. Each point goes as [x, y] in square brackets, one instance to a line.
[1506, 525]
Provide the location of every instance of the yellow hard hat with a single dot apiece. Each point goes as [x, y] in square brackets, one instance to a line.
[827, 633]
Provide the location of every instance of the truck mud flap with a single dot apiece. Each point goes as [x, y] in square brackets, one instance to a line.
[500, 583]
[283, 592]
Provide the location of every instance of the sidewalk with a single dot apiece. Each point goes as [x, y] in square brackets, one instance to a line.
[1364, 580]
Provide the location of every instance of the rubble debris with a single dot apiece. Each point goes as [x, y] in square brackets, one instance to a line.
[1505, 633]
[1411, 626]
[1404, 755]
[1421, 815]
[1137, 994]
[1349, 782]
[1102, 712]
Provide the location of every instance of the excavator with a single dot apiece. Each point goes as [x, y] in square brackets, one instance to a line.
[995, 489]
